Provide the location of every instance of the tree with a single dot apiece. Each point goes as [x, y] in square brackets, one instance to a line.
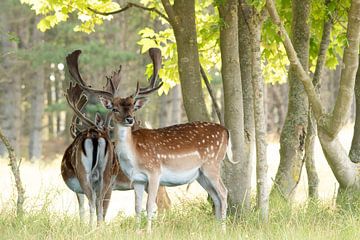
[329, 124]
[37, 106]
[233, 102]
[292, 138]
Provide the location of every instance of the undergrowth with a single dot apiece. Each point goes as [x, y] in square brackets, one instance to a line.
[192, 220]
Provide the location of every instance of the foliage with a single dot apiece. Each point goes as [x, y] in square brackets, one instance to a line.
[56, 11]
[208, 25]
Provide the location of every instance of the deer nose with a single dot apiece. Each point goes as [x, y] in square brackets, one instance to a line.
[129, 120]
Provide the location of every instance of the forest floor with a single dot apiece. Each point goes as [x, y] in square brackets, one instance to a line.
[48, 199]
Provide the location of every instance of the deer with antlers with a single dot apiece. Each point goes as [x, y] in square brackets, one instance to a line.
[169, 156]
[121, 182]
[89, 165]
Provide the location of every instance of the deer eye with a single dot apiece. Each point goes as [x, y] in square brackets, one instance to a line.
[115, 110]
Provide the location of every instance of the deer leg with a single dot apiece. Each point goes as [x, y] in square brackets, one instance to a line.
[85, 178]
[153, 187]
[106, 201]
[81, 198]
[213, 181]
[102, 183]
[205, 183]
[139, 191]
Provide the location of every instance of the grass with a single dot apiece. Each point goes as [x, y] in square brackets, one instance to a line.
[192, 220]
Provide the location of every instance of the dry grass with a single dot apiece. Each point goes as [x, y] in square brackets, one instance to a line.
[51, 209]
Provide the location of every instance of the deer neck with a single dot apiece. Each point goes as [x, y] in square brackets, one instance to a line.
[124, 143]
[123, 136]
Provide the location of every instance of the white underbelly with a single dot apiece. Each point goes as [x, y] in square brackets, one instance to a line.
[175, 178]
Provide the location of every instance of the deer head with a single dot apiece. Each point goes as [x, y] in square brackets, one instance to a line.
[122, 109]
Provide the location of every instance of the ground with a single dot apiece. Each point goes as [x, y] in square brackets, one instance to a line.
[44, 184]
[48, 198]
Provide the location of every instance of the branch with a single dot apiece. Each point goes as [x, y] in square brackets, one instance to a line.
[169, 10]
[15, 169]
[324, 44]
[348, 73]
[128, 6]
[295, 62]
[208, 86]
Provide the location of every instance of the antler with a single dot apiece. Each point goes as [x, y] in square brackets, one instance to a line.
[112, 82]
[75, 98]
[74, 127]
[72, 62]
[155, 55]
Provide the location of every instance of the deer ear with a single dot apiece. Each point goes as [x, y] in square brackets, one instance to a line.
[139, 102]
[107, 103]
[99, 122]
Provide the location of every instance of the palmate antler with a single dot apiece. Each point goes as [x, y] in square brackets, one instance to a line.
[77, 100]
[111, 87]
[155, 55]
[81, 88]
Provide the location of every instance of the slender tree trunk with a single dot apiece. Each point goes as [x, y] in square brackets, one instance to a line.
[49, 103]
[249, 127]
[37, 107]
[176, 105]
[355, 144]
[292, 139]
[259, 117]
[233, 111]
[312, 176]
[182, 20]
[313, 179]
[57, 100]
[15, 169]
[10, 118]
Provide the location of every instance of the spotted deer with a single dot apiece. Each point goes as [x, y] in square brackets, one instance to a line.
[121, 182]
[169, 156]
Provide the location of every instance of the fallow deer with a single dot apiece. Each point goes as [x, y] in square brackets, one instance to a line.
[170, 156]
[89, 166]
[121, 182]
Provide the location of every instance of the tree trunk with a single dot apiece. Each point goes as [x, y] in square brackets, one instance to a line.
[329, 125]
[182, 20]
[15, 169]
[10, 118]
[49, 103]
[259, 117]
[249, 127]
[37, 107]
[233, 105]
[176, 105]
[57, 100]
[313, 179]
[292, 139]
[312, 176]
[355, 144]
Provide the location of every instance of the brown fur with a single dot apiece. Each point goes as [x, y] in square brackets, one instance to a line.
[72, 167]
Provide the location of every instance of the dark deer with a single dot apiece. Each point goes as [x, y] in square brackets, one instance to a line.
[170, 156]
[89, 166]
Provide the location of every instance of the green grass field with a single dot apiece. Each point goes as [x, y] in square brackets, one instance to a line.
[192, 220]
